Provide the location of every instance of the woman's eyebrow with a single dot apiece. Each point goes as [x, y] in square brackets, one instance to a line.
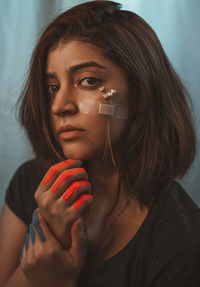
[85, 65]
[75, 68]
[50, 75]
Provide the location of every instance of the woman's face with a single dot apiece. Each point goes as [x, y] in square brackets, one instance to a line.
[74, 72]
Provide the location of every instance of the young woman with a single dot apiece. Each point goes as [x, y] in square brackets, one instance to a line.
[111, 129]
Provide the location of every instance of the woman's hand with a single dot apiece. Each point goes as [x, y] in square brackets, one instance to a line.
[62, 196]
[44, 261]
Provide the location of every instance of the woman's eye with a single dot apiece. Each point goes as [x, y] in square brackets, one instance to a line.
[52, 89]
[89, 81]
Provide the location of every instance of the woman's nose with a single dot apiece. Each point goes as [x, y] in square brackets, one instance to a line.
[63, 103]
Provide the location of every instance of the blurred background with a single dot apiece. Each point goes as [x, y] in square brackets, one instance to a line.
[176, 22]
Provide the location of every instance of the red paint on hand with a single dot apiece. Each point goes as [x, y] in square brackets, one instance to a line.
[73, 187]
[55, 168]
[65, 175]
[81, 200]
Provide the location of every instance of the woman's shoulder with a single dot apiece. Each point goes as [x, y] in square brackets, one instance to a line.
[28, 173]
[29, 166]
[174, 239]
[173, 222]
[175, 214]
[21, 189]
[175, 202]
[182, 199]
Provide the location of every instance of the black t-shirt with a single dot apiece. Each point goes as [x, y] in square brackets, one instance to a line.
[20, 192]
[165, 252]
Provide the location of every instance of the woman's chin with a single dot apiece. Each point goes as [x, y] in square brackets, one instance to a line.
[81, 155]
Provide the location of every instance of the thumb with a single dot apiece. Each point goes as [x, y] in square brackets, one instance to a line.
[78, 247]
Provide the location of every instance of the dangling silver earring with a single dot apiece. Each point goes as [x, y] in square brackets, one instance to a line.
[107, 110]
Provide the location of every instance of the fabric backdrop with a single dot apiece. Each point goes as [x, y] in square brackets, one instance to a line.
[177, 24]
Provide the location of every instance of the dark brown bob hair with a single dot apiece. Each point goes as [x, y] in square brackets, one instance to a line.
[160, 137]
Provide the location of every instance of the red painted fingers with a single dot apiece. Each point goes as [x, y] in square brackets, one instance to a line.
[82, 200]
[69, 176]
[75, 191]
[69, 181]
[77, 187]
[57, 167]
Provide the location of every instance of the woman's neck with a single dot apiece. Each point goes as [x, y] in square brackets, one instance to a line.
[103, 227]
[104, 178]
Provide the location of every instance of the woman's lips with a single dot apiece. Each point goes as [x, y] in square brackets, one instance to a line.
[70, 134]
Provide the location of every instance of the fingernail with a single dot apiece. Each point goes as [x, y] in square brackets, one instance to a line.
[82, 199]
[21, 252]
[27, 241]
[32, 233]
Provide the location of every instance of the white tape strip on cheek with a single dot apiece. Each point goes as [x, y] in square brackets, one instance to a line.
[111, 110]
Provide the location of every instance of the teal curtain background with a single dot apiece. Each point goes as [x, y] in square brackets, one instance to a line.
[176, 22]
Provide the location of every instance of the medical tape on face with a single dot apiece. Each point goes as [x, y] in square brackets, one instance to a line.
[111, 110]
